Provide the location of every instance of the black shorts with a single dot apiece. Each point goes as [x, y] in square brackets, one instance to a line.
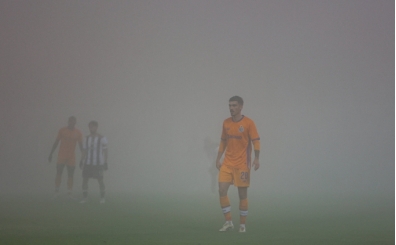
[95, 172]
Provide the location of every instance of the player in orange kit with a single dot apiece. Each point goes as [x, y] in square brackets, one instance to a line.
[239, 132]
[68, 137]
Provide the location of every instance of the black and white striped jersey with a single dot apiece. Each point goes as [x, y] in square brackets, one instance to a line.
[94, 146]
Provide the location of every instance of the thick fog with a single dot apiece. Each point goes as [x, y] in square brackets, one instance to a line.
[317, 77]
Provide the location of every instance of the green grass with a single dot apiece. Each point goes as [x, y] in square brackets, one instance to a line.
[189, 219]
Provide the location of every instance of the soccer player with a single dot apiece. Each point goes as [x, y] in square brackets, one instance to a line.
[239, 132]
[68, 137]
[94, 160]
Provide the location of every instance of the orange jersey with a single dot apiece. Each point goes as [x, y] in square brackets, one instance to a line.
[68, 140]
[237, 137]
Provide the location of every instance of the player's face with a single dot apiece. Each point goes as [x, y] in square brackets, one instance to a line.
[71, 123]
[235, 108]
[93, 128]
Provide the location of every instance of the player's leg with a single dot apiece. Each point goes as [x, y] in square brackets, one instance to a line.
[242, 181]
[102, 189]
[58, 177]
[225, 205]
[224, 200]
[243, 208]
[70, 174]
[225, 180]
[85, 189]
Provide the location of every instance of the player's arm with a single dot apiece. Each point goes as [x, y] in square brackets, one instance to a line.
[256, 145]
[83, 149]
[83, 156]
[256, 162]
[54, 146]
[222, 147]
[105, 151]
[105, 157]
[80, 145]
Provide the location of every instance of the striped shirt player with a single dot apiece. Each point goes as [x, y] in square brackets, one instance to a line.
[94, 160]
[238, 139]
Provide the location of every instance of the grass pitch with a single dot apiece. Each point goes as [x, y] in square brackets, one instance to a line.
[181, 219]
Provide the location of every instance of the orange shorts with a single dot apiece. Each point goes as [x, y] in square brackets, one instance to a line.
[238, 177]
[68, 161]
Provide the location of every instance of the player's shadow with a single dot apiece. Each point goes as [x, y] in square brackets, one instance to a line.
[211, 148]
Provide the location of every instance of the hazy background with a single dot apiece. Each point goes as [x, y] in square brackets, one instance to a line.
[316, 76]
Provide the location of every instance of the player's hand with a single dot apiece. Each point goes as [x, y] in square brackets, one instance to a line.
[256, 164]
[218, 165]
